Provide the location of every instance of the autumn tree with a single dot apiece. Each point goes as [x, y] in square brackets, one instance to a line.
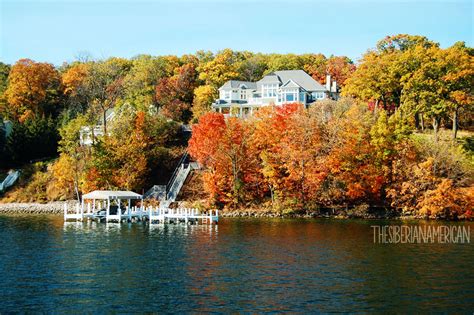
[459, 81]
[73, 80]
[340, 68]
[144, 75]
[424, 88]
[104, 85]
[33, 89]
[316, 66]
[253, 67]
[284, 62]
[220, 69]
[204, 95]
[174, 95]
[223, 147]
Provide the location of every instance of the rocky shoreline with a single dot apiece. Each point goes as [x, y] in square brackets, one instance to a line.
[56, 207]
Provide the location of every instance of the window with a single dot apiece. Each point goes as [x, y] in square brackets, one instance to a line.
[269, 90]
[290, 95]
[243, 94]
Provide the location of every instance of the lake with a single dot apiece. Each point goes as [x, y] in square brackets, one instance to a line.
[241, 265]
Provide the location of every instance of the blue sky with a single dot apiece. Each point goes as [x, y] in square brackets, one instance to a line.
[58, 31]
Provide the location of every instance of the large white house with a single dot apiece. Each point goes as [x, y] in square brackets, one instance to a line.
[241, 98]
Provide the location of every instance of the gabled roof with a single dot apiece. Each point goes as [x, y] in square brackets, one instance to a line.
[112, 194]
[291, 84]
[235, 84]
[270, 78]
[301, 78]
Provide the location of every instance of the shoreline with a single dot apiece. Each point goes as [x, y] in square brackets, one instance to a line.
[57, 208]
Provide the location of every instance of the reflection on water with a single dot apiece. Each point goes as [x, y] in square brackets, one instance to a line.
[241, 265]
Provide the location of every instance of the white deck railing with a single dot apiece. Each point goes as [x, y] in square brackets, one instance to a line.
[152, 214]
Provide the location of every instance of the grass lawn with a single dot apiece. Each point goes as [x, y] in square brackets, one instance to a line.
[464, 137]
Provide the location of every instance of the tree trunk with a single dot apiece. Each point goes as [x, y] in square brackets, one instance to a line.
[272, 196]
[417, 121]
[436, 127]
[422, 122]
[104, 120]
[455, 123]
[376, 107]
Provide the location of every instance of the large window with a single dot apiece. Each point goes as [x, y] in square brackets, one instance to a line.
[269, 90]
[243, 94]
[290, 95]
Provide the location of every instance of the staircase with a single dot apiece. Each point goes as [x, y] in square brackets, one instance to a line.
[167, 194]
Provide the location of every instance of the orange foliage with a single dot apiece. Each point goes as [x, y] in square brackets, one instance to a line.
[73, 78]
[447, 201]
[31, 87]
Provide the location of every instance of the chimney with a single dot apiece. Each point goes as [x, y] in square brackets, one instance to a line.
[334, 87]
[328, 82]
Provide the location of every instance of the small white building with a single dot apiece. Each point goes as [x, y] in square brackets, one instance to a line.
[87, 134]
[241, 98]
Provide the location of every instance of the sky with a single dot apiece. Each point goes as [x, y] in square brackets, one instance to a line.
[62, 31]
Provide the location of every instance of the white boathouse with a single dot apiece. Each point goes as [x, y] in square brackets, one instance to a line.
[111, 205]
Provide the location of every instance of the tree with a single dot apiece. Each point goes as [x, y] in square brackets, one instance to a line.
[223, 147]
[425, 88]
[175, 94]
[253, 67]
[375, 79]
[316, 66]
[32, 139]
[204, 95]
[284, 62]
[403, 42]
[381, 73]
[73, 80]
[459, 79]
[144, 75]
[220, 69]
[4, 71]
[33, 89]
[340, 68]
[72, 154]
[104, 85]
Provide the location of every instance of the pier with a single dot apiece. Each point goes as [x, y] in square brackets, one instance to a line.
[119, 206]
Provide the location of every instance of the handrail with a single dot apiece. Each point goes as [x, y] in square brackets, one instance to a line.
[175, 173]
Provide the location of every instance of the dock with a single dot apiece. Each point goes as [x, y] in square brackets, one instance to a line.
[116, 206]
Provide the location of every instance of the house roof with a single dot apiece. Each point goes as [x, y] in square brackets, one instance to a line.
[235, 84]
[291, 84]
[112, 194]
[299, 77]
[271, 78]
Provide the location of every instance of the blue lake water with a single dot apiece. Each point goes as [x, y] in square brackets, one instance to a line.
[241, 265]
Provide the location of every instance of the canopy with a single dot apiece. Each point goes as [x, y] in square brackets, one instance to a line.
[112, 194]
